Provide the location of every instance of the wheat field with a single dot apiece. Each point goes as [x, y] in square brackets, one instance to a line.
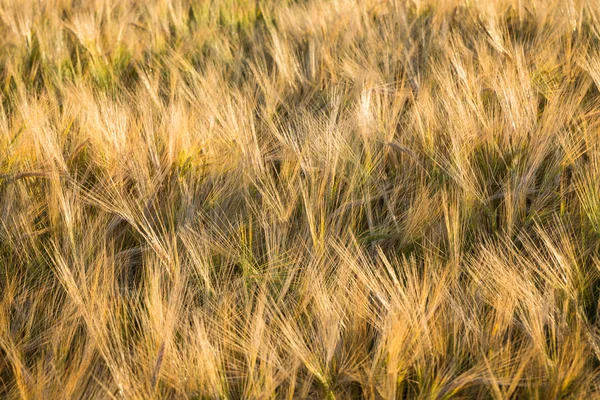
[277, 199]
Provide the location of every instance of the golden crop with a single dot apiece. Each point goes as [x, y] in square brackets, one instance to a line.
[265, 199]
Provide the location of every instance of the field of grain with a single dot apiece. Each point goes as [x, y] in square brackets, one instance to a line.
[278, 199]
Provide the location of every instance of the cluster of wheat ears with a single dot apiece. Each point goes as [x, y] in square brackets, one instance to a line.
[260, 199]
